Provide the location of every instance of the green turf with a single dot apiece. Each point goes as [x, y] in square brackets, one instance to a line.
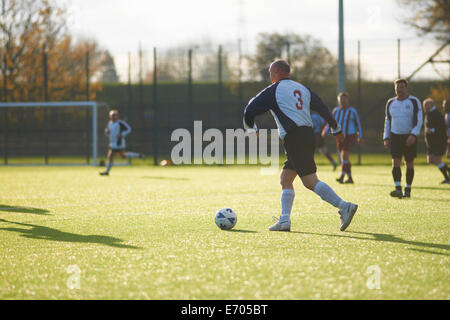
[148, 233]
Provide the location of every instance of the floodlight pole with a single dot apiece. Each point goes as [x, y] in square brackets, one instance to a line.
[341, 60]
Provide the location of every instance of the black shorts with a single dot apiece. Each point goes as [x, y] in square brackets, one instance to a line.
[399, 148]
[117, 150]
[299, 145]
[436, 148]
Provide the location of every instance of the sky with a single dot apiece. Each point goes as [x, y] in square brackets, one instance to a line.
[122, 25]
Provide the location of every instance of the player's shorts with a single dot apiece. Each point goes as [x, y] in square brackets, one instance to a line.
[117, 150]
[347, 144]
[320, 141]
[399, 148]
[299, 145]
[436, 148]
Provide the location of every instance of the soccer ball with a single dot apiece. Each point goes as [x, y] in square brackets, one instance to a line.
[226, 219]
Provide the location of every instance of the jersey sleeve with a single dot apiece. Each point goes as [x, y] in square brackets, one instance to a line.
[125, 129]
[387, 121]
[417, 118]
[358, 124]
[321, 108]
[258, 105]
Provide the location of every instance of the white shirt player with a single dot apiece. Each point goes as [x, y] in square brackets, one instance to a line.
[290, 104]
[403, 117]
[114, 129]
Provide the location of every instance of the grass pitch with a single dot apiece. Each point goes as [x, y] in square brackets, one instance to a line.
[148, 233]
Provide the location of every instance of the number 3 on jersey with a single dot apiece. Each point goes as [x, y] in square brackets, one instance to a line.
[298, 94]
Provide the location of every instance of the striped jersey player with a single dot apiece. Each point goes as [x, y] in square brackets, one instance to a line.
[117, 130]
[290, 104]
[347, 117]
[402, 124]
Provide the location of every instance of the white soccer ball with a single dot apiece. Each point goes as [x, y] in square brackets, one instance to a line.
[226, 219]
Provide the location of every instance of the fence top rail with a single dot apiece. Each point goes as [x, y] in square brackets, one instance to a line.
[53, 104]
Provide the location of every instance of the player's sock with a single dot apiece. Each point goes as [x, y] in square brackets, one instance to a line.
[108, 166]
[409, 176]
[346, 166]
[444, 169]
[349, 170]
[327, 194]
[287, 199]
[132, 155]
[397, 175]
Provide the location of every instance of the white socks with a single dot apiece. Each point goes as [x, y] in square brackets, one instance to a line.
[327, 194]
[287, 199]
[322, 189]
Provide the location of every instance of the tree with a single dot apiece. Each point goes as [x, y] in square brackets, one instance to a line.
[109, 74]
[309, 59]
[32, 31]
[428, 17]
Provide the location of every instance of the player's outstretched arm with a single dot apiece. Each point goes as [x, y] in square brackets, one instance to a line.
[261, 103]
[322, 109]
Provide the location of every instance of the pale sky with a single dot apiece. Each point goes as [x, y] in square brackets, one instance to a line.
[120, 25]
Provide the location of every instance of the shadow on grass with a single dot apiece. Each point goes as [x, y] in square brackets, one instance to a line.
[413, 186]
[388, 238]
[164, 178]
[7, 208]
[241, 231]
[46, 233]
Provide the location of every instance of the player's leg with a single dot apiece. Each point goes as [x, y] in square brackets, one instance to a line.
[328, 155]
[110, 158]
[397, 146]
[341, 159]
[409, 164]
[437, 161]
[287, 178]
[132, 155]
[347, 165]
[320, 143]
[324, 191]
[410, 153]
[397, 177]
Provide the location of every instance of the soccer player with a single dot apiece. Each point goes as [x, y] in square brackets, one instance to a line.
[347, 117]
[402, 125]
[318, 124]
[446, 107]
[117, 130]
[435, 137]
[290, 104]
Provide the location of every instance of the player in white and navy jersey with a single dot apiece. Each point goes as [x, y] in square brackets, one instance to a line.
[402, 125]
[347, 117]
[290, 104]
[318, 124]
[117, 130]
[446, 108]
[435, 137]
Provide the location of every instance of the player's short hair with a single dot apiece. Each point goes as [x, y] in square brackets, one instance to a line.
[343, 94]
[113, 111]
[401, 80]
[281, 65]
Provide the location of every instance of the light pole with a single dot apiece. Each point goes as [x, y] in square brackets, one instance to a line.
[341, 60]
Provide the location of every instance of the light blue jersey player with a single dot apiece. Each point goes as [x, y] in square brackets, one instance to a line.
[318, 124]
[117, 130]
[290, 104]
